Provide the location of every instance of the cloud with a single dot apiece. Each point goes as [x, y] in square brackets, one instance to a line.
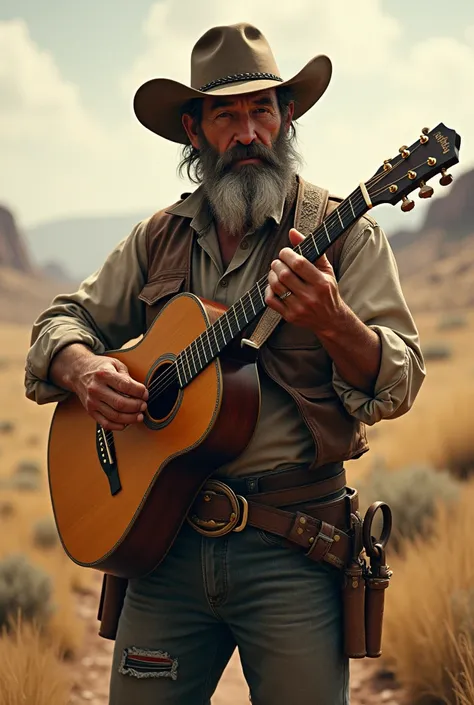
[383, 91]
[36, 101]
[59, 157]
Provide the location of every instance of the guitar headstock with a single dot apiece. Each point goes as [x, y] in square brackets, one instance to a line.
[414, 166]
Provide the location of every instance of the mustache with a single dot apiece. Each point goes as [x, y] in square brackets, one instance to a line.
[226, 161]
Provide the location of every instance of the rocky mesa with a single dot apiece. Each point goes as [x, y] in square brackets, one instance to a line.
[25, 289]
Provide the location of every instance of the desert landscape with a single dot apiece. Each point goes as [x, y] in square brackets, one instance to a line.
[421, 464]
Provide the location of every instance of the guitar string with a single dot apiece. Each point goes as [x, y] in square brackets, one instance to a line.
[165, 380]
[170, 375]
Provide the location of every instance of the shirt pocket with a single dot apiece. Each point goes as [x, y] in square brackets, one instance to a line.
[157, 293]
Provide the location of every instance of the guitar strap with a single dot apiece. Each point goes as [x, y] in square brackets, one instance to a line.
[310, 212]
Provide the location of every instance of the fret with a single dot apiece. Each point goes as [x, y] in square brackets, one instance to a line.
[352, 207]
[213, 328]
[241, 302]
[214, 339]
[180, 381]
[193, 359]
[326, 231]
[253, 307]
[234, 308]
[262, 297]
[186, 353]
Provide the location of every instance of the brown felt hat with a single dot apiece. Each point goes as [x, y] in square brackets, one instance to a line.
[228, 60]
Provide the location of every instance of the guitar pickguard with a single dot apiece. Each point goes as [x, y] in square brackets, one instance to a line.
[107, 457]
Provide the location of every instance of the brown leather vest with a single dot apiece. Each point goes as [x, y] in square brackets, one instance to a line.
[293, 356]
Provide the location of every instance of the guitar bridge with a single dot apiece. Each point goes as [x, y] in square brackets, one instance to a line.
[107, 457]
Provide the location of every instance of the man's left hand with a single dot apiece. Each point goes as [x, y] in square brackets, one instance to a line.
[315, 301]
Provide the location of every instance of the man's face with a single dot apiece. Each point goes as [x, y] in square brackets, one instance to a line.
[246, 159]
[246, 119]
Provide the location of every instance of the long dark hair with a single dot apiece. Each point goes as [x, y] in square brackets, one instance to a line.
[190, 155]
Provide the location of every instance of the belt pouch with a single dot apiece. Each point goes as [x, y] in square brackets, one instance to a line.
[353, 604]
[374, 607]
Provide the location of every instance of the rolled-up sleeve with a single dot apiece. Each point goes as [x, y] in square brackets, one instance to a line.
[103, 314]
[369, 284]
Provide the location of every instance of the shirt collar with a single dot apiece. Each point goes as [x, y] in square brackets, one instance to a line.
[196, 207]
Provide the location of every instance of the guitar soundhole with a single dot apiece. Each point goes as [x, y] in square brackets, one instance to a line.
[164, 393]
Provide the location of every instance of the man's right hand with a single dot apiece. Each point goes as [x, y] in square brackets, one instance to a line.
[103, 384]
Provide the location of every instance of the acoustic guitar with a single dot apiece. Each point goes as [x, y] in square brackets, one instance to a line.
[120, 498]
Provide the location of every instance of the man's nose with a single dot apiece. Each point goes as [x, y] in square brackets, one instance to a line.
[245, 133]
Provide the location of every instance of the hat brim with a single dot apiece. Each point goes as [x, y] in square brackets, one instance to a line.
[158, 102]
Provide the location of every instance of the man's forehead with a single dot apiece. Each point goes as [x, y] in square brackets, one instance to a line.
[258, 98]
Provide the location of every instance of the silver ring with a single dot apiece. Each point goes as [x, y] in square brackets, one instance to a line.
[285, 295]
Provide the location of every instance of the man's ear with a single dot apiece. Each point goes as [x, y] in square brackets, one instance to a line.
[189, 125]
[289, 115]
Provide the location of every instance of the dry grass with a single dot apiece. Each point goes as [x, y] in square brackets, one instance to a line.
[444, 403]
[31, 672]
[453, 448]
[463, 682]
[431, 598]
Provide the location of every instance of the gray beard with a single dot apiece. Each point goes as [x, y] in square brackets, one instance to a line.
[243, 199]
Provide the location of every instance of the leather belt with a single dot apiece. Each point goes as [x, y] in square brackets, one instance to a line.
[321, 529]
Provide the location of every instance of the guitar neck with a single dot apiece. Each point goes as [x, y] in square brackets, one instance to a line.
[206, 347]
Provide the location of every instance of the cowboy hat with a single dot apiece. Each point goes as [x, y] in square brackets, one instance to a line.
[228, 60]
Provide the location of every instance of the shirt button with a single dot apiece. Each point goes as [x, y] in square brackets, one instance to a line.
[224, 283]
[244, 245]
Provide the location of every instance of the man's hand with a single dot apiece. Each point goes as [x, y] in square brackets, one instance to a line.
[315, 302]
[103, 385]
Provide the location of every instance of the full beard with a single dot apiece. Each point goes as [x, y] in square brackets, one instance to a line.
[243, 198]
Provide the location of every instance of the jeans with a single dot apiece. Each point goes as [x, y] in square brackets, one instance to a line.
[180, 625]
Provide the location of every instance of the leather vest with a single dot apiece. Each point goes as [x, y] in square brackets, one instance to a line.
[292, 356]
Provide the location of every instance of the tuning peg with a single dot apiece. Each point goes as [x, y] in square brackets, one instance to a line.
[425, 191]
[424, 135]
[386, 165]
[446, 179]
[407, 204]
[404, 151]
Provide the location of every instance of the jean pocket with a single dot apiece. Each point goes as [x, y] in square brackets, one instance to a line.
[270, 539]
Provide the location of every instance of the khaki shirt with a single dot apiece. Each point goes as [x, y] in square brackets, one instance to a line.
[105, 313]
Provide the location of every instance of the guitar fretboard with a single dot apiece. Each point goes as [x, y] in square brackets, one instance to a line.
[207, 346]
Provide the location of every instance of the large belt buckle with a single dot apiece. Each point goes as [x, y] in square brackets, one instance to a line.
[238, 516]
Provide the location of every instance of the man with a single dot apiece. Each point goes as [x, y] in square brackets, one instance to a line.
[346, 354]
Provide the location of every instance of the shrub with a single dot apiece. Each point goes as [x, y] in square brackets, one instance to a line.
[412, 494]
[24, 589]
[436, 351]
[451, 321]
[7, 509]
[6, 426]
[453, 446]
[45, 534]
[429, 608]
[22, 481]
[28, 467]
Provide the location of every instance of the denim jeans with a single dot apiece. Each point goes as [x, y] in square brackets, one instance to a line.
[180, 625]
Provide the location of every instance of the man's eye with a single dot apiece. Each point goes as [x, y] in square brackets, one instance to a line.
[224, 115]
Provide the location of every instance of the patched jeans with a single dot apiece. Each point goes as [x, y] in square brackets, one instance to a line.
[180, 625]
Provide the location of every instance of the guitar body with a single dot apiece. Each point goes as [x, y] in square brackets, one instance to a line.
[126, 529]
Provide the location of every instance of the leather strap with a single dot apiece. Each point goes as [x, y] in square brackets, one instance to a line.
[321, 530]
[310, 210]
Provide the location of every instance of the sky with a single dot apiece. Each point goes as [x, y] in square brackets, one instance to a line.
[69, 141]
